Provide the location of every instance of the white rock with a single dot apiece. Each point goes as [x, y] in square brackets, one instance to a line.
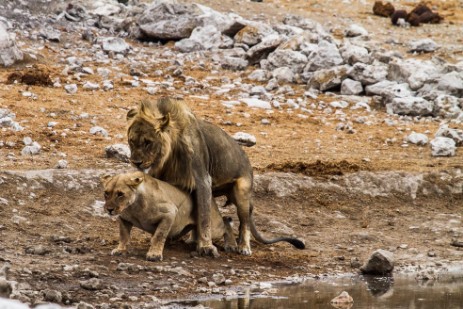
[258, 90]
[389, 90]
[90, 86]
[443, 147]
[261, 50]
[9, 52]
[51, 34]
[411, 106]
[244, 139]
[103, 72]
[455, 134]
[62, 164]
[283, 75]
[105, 9]
[287, 58]
[452, 83]
[339, 104]
[353, 54]
[204, 38]
[252, 102]
[417, 139]
[98, 130]
[414, 72]
[355, 30]
[351, 87]
[71, 88]
[368, 74]
[233, 63]
[253, 33]
[258, 75]
[108, 85]
[447, 106]
[167, 20]
[423, 45]
[7, 120]
[326, 56]
[27, 141]
[326, 79]
[116, 45]
[87, 70]
[12, 304]
[118, 151]
[32, 149]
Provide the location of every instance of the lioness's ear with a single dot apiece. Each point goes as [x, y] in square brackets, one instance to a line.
[135, 181]
[106, 178]
[131, 114]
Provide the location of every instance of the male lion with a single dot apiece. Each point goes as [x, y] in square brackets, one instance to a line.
[168, 142]
[164, 211]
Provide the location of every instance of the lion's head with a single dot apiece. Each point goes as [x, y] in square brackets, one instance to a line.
[120, 191]
[155, 130]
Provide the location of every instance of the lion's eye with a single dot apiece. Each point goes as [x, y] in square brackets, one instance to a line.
[147, 144]
[106, 194]
[120, 194]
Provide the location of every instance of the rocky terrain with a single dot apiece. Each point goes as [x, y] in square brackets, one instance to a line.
[354, 126]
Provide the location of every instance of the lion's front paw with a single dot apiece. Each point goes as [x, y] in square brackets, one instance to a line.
[153, 257]
[244, 250]
[118, 251]
[208, 251]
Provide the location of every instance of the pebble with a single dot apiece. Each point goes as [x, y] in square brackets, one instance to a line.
[71, 88]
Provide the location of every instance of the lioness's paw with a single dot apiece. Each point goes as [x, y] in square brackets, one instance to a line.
[153, 257]
[230, 249]
[208, 251]
[118, 251]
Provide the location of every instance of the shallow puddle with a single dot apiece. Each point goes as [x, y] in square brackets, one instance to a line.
[367, 292]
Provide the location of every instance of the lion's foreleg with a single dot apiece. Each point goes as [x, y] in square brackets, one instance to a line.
[203, 200]
[124, 237]
[161, 233]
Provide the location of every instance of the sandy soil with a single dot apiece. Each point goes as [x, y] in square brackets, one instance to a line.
[339, 229]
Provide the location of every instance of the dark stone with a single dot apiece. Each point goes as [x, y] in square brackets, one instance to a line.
[380, 263]
[397, 15]
[384, 10]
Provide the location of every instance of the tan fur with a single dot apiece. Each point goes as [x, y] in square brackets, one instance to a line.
[158, 208]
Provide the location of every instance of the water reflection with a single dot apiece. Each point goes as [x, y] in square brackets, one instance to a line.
[367, 292]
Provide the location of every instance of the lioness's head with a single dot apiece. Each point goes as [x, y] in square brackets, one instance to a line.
[120, 191]
[148, 136]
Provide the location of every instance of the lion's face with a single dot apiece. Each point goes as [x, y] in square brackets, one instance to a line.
[120, 191]
[149, 143]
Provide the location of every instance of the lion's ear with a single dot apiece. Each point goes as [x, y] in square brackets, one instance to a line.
[164, 122]
[106, 178]
[131, 114]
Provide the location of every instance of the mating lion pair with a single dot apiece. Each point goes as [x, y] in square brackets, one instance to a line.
[180, 151]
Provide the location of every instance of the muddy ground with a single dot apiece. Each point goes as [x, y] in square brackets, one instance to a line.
[346, 195]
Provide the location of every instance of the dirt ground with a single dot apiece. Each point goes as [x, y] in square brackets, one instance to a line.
[340, 230]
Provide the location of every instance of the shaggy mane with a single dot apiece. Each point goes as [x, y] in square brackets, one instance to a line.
[174, 121]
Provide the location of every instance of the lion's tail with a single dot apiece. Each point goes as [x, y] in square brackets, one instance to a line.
[293, 241]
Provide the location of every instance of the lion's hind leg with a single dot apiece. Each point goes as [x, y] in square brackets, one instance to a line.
[241, 198]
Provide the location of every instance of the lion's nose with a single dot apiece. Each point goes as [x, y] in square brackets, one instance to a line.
[137, 163]
[110, 211]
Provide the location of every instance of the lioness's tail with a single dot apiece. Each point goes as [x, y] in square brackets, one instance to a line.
[293, 241]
